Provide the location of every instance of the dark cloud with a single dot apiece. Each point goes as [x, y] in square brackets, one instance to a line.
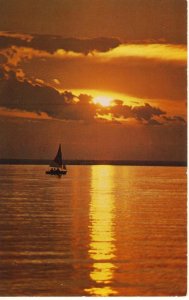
[51, 44]
[2, 74]
[153, 122]
[80, 110]
[121, 110]
[175, 119]
[25, 96]
[141, 113]
[3, 59]
[7, 42]
[146, 112]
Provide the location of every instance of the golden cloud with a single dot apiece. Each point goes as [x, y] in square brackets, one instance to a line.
[166, 52]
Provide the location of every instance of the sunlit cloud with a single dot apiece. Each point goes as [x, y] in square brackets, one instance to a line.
[162, 52]
[39, 81]
[61, 53]
[127, 99]
[15, 54]
[167, 52]
[55, 80]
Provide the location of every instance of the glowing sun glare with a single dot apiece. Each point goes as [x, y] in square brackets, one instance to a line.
[103, 100]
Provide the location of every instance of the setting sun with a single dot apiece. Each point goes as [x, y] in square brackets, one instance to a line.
[103, 100]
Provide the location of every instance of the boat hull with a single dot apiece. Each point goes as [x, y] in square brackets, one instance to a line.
[56, 172]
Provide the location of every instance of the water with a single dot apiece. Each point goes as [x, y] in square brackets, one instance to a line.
[99, 231]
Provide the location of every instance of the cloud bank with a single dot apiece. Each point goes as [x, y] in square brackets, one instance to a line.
[151, 70]
[51, 44]
[42, 99]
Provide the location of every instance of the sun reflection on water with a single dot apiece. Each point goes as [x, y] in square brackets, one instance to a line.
[102, 247]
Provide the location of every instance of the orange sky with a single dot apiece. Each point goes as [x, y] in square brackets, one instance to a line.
[129, 56]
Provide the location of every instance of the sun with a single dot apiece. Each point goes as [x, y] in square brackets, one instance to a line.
[103, 100]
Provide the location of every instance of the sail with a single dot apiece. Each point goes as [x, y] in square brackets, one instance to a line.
[57, 165]
[58, 158]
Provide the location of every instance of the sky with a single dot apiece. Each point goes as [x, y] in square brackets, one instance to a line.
[105, 78]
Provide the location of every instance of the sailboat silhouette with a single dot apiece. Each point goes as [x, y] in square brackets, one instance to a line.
[57, 165]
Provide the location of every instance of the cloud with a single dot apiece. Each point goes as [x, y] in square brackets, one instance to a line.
[119, 110]
[144, 113]
[136, 77]
[13, 56]
[16, 48]
[56, 81]
[21, 36]
[174, 119]
[162, 52]
[23, 97]
[9, 41]
[2, 74]
[153, 122]
[38, 98]
[82, 110]
[53, 43]
[15, 113]
[149, 71]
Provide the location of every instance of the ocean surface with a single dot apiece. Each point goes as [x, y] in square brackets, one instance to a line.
[98, 231]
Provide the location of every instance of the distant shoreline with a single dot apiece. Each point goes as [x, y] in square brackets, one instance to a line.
[95, 162]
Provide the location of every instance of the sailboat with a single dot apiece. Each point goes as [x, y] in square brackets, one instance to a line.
[57, 166]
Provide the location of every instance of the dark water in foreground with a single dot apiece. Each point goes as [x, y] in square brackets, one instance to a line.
[99, 231]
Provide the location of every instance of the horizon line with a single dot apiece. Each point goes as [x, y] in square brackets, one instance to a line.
[123, 162]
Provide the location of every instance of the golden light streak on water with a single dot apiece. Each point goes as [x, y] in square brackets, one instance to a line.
[102, 247]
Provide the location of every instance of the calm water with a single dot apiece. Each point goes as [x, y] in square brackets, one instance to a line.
[99, 231]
